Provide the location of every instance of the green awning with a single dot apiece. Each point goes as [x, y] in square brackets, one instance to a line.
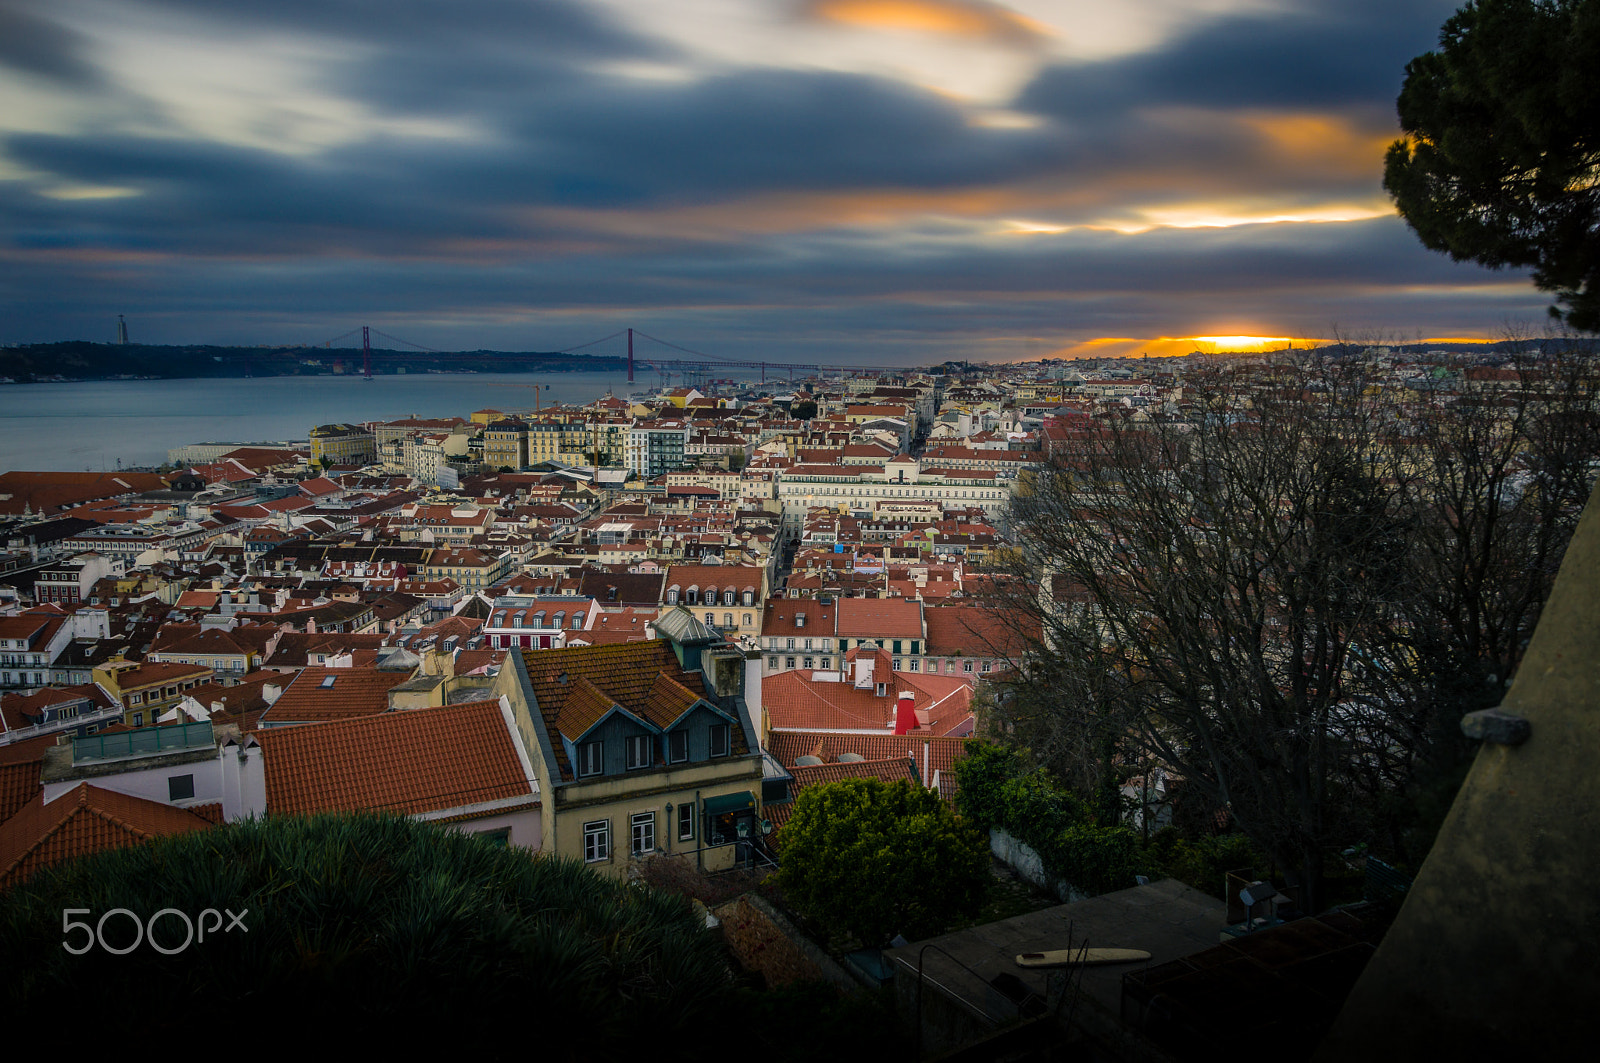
[724, 803]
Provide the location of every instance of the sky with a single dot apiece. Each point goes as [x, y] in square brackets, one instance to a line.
[886, 182]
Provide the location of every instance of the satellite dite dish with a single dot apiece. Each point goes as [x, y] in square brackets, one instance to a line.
[1081, 957]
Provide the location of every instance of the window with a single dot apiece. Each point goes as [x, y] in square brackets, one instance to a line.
[711, 618]
[790, 645]
[138, 719]
[827, 663]
[597, 840]
[914, 663]
[577, 621]
[898, 664]
[678, 746]
[638, 751]
[788, 662]
[180, 787]
[808, 644]
[883, 690]
[986, 665]
[590, 761]
[727, 596]
[809, 663]
[672, 596]
[719, 740]
[772, 662]
[746, 620]
[966, 666]
[686, 821]
[727, 619]
[749, 598]
[643, 828]
[897, 648]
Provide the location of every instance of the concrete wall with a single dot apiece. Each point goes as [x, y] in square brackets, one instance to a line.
[1493, 953]
[1029, 865]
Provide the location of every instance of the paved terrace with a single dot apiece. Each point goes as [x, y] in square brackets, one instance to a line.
[961, 1002]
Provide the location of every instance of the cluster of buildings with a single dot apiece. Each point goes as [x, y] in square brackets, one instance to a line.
[629, 627]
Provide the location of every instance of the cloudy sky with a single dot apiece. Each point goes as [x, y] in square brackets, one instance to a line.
[867, 181]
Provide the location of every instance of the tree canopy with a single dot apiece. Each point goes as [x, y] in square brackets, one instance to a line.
[1291, 589]
[1500, 162]
[388, 930]
[875, 860]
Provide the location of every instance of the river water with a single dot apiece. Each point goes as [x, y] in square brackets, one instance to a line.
[91, 425]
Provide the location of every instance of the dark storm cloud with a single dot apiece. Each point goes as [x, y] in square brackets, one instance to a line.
[433, 25]
[36, 45]
[558, 205]
[1324, 54]
[742, 134]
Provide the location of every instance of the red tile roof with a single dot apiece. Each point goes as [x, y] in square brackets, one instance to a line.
[879, 618]
[19, 784]
[932, 753]
[626, 674]
[85, 820]
[977, 631]
[421, 760]
[355, 692]
[794, 701]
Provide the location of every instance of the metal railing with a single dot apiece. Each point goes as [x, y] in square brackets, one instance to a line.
[192, 735]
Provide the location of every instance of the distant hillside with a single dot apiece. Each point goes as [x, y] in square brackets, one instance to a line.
[81, 360]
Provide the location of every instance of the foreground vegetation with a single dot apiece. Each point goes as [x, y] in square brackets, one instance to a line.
[380, 927]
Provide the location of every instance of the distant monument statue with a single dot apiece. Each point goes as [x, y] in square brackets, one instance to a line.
[122, 331]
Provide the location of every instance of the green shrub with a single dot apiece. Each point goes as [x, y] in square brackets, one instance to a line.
[874, 860]
[381, 927]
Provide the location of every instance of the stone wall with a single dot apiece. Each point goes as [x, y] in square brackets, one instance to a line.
[763, 940]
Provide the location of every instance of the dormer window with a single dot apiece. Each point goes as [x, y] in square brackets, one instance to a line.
[672, 596]
[638, 752]
[577, 621]
[590, 760]
[719, 740]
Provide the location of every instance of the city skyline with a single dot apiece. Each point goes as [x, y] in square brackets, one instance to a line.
[893, 181]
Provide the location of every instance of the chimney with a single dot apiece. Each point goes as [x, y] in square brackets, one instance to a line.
[905, 713]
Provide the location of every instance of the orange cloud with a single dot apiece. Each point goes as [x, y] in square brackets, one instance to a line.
[972, 19]
[1329, 142]
[1173, 346]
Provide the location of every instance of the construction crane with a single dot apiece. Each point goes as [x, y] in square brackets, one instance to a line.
[536, 388]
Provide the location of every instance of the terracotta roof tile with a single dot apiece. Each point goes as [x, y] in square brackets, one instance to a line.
[932, 753]
[667, 700]
[354, 692]
[583, 707]
[626, 673]
[85, 820]
[421, 760]
[19, 784]
[794, 701]
[891, 770]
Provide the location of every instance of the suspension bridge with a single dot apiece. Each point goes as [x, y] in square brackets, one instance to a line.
[696, 361]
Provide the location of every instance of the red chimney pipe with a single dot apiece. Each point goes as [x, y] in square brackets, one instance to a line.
[905, 714]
